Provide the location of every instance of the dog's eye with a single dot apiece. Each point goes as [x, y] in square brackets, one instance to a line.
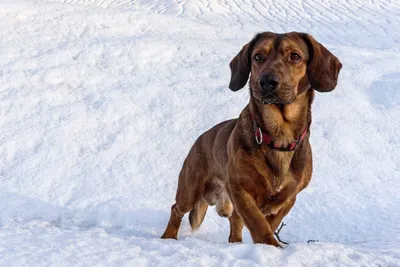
[295, 57]
[258, 57]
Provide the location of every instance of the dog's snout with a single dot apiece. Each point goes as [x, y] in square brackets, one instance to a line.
[269, 82]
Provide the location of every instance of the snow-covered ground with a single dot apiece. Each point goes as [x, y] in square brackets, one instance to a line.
[100, 101]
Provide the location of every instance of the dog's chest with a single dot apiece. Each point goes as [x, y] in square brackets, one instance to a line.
[271, 202]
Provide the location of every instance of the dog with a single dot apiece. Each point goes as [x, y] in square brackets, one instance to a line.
[253, 167]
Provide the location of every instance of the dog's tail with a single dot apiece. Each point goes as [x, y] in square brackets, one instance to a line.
[197, 214]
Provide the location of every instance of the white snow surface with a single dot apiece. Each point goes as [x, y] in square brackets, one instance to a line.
[101, 100]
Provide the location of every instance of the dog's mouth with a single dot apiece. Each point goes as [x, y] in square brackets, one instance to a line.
[273, 99]
[269, 100]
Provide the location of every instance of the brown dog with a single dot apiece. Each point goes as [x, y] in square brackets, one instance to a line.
[262, 160]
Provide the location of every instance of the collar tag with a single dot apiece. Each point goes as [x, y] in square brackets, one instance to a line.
[261, 137]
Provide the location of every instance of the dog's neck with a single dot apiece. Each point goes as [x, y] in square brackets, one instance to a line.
[284, 123]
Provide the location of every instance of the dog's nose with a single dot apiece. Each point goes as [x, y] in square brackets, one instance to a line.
[269, 82]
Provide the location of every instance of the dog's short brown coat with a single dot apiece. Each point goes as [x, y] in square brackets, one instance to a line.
[256, 185]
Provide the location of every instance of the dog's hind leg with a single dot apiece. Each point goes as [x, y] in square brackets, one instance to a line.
[174, 223]
[177, 211]
[224, 205]
[187, 195]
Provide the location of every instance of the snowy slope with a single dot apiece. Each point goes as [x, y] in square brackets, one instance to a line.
[100, 101]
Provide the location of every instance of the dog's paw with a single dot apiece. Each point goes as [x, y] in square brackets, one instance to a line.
[282, 244]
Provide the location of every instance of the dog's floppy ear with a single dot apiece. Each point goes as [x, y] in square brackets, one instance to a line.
[241, 66]
[323, 67]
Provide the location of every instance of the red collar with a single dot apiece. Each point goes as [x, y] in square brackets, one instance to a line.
[262, 137]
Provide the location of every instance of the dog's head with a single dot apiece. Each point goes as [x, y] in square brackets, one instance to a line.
[283, 66]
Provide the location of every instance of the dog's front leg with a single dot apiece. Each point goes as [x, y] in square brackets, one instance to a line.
[245, 205]
[236, 224]
[275, 220]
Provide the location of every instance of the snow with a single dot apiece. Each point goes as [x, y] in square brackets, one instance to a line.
[100, 101]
